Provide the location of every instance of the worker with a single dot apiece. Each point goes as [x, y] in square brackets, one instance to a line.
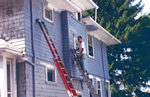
[82, 54]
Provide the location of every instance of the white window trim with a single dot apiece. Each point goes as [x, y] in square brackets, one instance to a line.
[46, 7]
[98, 79]
[92, 45]
[52, 68]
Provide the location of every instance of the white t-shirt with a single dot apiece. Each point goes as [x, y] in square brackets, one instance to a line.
[82, 45]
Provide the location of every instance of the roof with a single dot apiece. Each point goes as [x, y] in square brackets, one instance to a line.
[85, 4]
[72, 5]
[8, 48]
[93, 28]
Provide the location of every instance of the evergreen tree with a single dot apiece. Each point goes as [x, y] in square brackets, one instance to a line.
[129, 62]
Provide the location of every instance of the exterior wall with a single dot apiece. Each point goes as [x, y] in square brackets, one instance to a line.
[96, 66]
[72, 28]
[41, 48]
[15, 26]
[45, 89]
[12, 21]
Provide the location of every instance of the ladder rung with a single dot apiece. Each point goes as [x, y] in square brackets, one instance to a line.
[65, 74]
[60, 67]
[67, 81]
[59, 61]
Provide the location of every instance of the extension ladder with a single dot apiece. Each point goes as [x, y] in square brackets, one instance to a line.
[58, 62]
[85, 76]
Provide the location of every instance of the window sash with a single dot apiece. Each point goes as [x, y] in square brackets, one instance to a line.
[99, 88]
[51, 75]
[48, 14]
[90, 46]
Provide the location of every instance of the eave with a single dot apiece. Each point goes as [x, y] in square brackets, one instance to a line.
[93, 28]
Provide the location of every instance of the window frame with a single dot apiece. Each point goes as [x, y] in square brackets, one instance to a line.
[51, 68]
[79, 93]
[92, 46]
[75, 39]
[45, 18]
[11, 77]
[109, 92]
[98, 79]
[91, 77]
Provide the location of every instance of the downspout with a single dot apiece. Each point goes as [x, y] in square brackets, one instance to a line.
[32, 42]
[103, 65]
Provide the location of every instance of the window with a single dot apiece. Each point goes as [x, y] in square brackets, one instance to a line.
[99, 88]
[9, 78]
[48, 14]
[107, 89]
[76, 43]
[90, 46]
[77, 16]
[79, 95]
[91, 78]
[51, 74]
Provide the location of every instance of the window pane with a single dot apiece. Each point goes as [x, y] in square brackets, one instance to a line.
[90, 95]
[98, 84]
[90, 45]
[8, 77]
[77, 44]
[51, 75]
[90, 50]
[79, 96]
[89, 40]
[99, 93]
[9, 95]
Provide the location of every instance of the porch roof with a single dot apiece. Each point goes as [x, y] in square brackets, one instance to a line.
[85, 4]
[72, 5]
[93, 28]
[8, 48]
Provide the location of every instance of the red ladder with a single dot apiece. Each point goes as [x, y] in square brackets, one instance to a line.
[58, 62]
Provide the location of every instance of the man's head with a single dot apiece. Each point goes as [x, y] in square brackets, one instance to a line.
[80, 39]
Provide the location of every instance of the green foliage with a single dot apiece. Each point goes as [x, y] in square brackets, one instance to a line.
[117, 16]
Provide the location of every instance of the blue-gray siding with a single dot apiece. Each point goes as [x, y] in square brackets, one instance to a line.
[62, 30]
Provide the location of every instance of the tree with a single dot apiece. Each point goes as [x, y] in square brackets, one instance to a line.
[128, 62]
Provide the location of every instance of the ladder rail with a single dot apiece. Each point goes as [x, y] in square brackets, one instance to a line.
[58, 62]
[62, 65]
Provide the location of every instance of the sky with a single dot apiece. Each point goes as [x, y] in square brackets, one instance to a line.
[146, 8]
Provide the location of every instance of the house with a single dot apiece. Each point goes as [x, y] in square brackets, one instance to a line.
[26, 65]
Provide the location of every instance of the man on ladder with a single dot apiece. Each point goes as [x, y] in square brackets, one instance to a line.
[82, 54]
